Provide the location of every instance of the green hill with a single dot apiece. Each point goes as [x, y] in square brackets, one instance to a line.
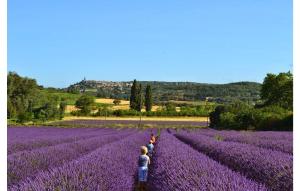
[180, 91]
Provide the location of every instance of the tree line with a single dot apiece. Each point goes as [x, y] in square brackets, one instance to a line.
[274, 112]
[139, 98]
[180, 91]
[26, 101]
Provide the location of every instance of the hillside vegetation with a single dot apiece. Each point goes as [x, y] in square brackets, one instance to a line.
[179, 91]
[274, 113]
[245, 105]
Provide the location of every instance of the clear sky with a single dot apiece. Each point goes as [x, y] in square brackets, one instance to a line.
[58, 42]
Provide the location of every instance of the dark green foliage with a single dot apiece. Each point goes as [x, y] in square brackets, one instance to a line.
[170, 107]
[275, 113]
[133, 95]
[103, 110]
[139, 98]
[121, 112]
[69, 98]
[48, 111]
[24, 117]
[27, 101]
[20, 91]
[136, 101]
[160, 113]
[11, 109]
[214, 116]
[278, 90]
[247, 118]
[62, 108]
[148, 98]
[189, 91]
[273, 118]
[85, 103]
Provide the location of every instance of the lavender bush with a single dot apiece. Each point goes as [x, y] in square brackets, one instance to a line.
[26, 164]
[54, 137]
[111, 167]
[278, 141]
[273, 168]
[176, 166]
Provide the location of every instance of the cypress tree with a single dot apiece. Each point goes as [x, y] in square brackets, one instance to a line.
[148, 98]
[133, 95]
[139, 99]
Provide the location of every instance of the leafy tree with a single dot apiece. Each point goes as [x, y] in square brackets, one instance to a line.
[103, 110]
[11, 109]
[62, 108]
[214, 117]
[227, 119]
[24, 117]
[278, 90]
[85, 103]
[20, 93]
[148, 98]
[170, 107]
[49, 110]
[240, 116]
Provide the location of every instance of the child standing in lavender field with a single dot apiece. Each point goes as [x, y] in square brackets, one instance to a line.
[143, 163]
[150, 148]
[153, 138]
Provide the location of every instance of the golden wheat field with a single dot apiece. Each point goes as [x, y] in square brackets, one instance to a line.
[124, 105]
[110, 101]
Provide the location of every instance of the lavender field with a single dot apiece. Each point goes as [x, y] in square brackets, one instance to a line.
[55, 158]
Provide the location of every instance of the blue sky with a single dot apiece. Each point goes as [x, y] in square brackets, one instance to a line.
[58, 42]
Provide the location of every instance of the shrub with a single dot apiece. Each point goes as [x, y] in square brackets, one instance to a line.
[214, 116]
[245, 119]
[228, 120]
[273, 118]
[85, 103]
[241, 117]
[24, 117]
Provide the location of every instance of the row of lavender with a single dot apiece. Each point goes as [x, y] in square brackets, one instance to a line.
[111, 167]
[269, 167]
[105, 159]
[30, 138]
[64, 146]
[19, 134]
[27, 164]
[176, 166]
[277, 141]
